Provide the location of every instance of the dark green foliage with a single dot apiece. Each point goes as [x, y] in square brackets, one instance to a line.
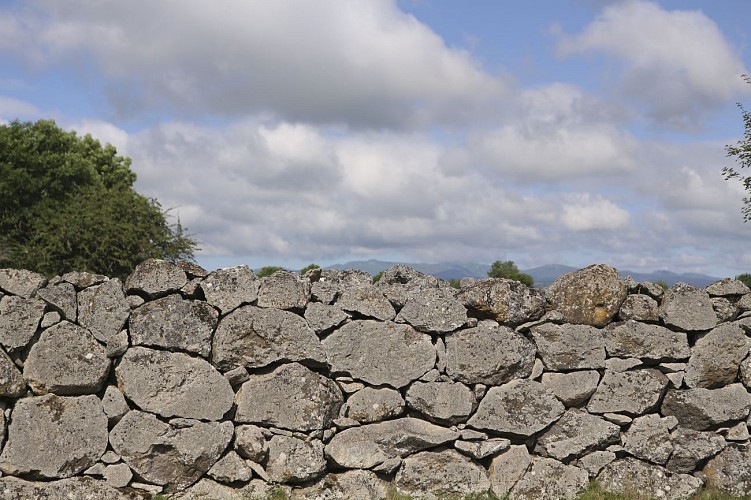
[455, 283]
[308, 268]
[68, 204]
[268, 271]
[377, 277]
[745, 278]
[741, 151]
[509, 271]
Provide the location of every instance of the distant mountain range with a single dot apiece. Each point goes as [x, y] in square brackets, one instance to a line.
[543, 275]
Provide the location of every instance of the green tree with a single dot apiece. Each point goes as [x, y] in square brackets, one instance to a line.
[308, 268]
[68, 204]
[377, 277]
[268, 271]
[741, 151]
[508, 270]
[745, 278]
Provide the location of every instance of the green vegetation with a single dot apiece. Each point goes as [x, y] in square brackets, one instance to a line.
[741, 151]
[509, 271]
[308, 268]
[268, 271]
[745, 278]
[377, 277]
[68, 204]
[662, 284]
[455, 283]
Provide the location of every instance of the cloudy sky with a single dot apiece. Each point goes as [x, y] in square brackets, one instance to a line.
[289, 132]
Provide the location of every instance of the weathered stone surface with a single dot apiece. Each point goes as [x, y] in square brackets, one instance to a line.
[520, 407]
[173, 455]
[330, 283]
[250, 443]
[622, 364]
[255, 337]
[226, 289]
[380, 353]
[729, 471]
[727, 287]
[230, 469]
[367, 301]
[174, 323]
[575, 434]
[83, 279]
[83, 488]
[725, 310]
[648, 342]
[52, 437]
[66, 360]
[173, 384]
[434, 310]
[398, 283]
[12, 384]
[639, 308]
[369, 445]
[352, 484]
[19, 320]
[155, 277]
[572, 388]
[738, 432]
[118, 475]
[49, 319]
[633, 392]
[324, 317]
[61, 297]
[483, 449]
[373, 405]
[590, 296]
[293, 460]
[507, 301]
[595, 461]
[648, 438]
[569, 347]
[103, 309]
[629, 475]
[114, 404]
[436, 475]
[291, 397]
[488, 354]
[687, 308]
[21, 282]
[442, 402]
[548, 478]
[507, 469]
[691, 447]
[716, 357]
[283, 290]
[702, 408]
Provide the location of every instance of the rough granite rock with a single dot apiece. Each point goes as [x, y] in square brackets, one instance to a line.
[349, 485]
[434, 310]
[283, 290]
[173, 455]
[648, 438]
[292, 460]
[19, 320]
[632, 392]
[66, 360]
[367, 446]
[231, 468]
[442, 402]
[437, 475]
[62, 298]
[12, 384]
[227, 289]
[251, 443]
[628, 475]
[103, 309]
[595, 461]
[727, 287]
[687, 308]
[370, 405]
[640, 308]
[569, 347]
[648, 342]
[21, 282]
[572, 388]
[716, 357]
[398, 283]
[380, 353]
[519, 408]
[368, 301]
[575, 434]
[507, 301]
[701, 409]
[255, 337]
[330, 283]
[174, 323]
[323, 317]
[483, 449]
[591, 296]
[114, 404]
[691, 447]
[52, 437]
[729, 471]
[507, 469]
[548, 478]
[83, 279]
[79, 488]
[173, 384]
[310, 401]
[488, 354]
[155, 277]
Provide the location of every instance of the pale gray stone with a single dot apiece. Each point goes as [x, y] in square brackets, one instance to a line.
[118, 344]
[442, 402]
[110, 457]
[434, 311]
[488, 354]
[324, 317]
[49, 319]
[155, 277]
[171, 455]
[369, 445]
[572, 388]
[237, 376]
[250, 443]
[569, 347]
[617, 418]
[621, 364]
[483, 449]
[472, 435]
[291, 397]
[231, 468]
[283, 290]
[118, 475]
[738, 432]
[701, 409]
[114, 404]
[103, 309]
[436, 475]
[595, 461]
[388, 467]
[628, 475]
[135, 301]
[716, 357]
[12, 384]
[653, 343]
[648, 438]
[373, 405]
[174, 323]
[639, 308]
[83, 279]
[21, 282]
[348, 386]
[380, 353]
[191, 288]
[634, 392]
[227, 289]
[398, 283]
[192, 270]
[331, 283]
[507, 301]
[537, 369]
[729, 471]
[173, 384]
[652, 289]
[727, 287]
[52, 437]
[548, 478]
[349, 485]
[520, 408]
[744, 303]
[62, 298]
[293, 460]
[591, 296]
[687, 308]
[255, 337]
[367, 301]
[507, 469]
[79, 488]
[66, 360]
[676, 379]
[19, 320]
[575, 434]
[725, 310]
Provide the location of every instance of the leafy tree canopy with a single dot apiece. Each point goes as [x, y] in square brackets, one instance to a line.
[741, 151]
[745, 278]
[509, 271]
[308, 268]
[68, 204]
[268, 271]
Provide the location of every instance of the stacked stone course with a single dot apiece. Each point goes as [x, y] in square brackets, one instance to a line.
[225, 385]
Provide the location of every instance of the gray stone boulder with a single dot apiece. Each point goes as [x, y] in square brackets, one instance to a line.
[442, 402]
[114, 404]
[575, 434]
[727, 287]
[62, 298]
[291, 397]
[690, 447]
[251, 443]
[380, 353]
[548, 478]
[173, 455]
[103, 309]
[687, 308]
[729, 471]
[367, 301]
[12, 384]
[632, 392]
[652, 343]
[488, 354]
[716, 357]
[627, 475]
[434, 310]
[328, 284]
[80, 488]
[324, 317]
[255, 337]
[572, 388]
[52, 437]
[174, 323]
[83, 279]
[352, 484]
[507, 301]
[155, 277]
[507, 469]
[173, 384]
[640, 308]
[648, 438]
[441, 474]
[519, 408]
[483, 449]
[725, 310]
[19, 320]
[591, 296]
[594, 462]
[21, 282]
[370, 405]
[292, 460]
[398, 283]
[68, 361]
[701, 409]
[369, 445]
[227, 289]
[283, 290]
[569, 347]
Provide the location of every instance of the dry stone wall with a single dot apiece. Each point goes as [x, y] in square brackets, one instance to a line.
[224, 385]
